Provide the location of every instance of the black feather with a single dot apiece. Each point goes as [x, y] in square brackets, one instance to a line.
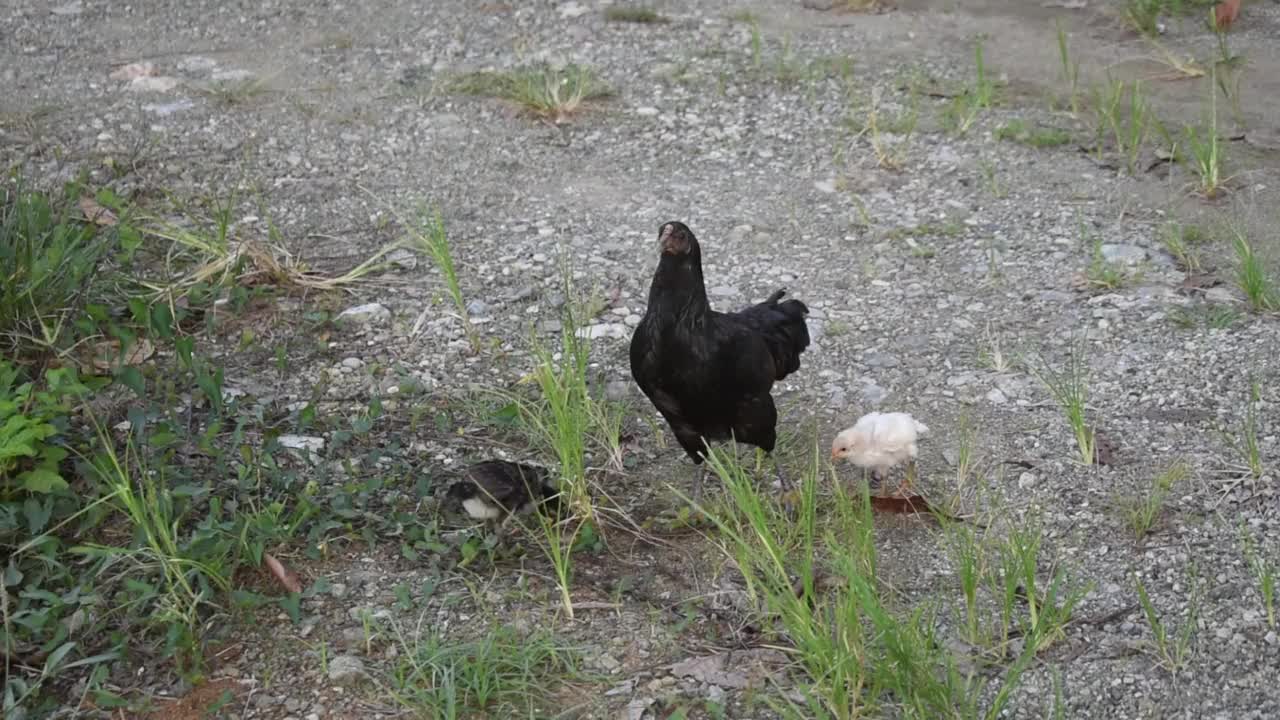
[710, 373]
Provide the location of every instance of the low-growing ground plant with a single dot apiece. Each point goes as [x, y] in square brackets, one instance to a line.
[1142, 512]
[546, 92]
[501, 674]
[1262, 562]
[634, 14]
[1252, 276]
[814, 574]
[1070, 389]
[1172, 644]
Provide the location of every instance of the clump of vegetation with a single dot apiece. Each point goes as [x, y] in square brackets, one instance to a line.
[1142, 512]
[1171, 644]
[127, 541]
[550, 93]
[499, 675]
[966, 106]
[815, 574]
[1252, 276]
[634, 14]
[1038, 137]
[1070, 388]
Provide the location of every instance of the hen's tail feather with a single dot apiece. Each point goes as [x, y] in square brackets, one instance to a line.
[784, 329]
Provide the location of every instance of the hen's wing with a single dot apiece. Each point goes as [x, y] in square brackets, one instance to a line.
[671, 378]
[782, 327]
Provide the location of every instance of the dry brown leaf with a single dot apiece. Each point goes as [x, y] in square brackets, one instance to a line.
[133, 71]
[1225, 13]
[286, 577]
[106, 354]
[1104, 449]
[95, 213]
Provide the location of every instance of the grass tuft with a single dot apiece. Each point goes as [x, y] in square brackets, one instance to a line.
[1019, 131]
[427, 235]
[549, 93]
[1171, 645]
[501, 674]
[1142, 512]
[816, 576]
[634, 14]
[1263, 565]
[1070, 389]
[1252, 276]
[1183, 243]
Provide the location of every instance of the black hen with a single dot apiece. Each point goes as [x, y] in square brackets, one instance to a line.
[710, 373]
[495, 489]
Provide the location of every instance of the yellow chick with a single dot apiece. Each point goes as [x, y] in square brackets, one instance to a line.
[880, 441]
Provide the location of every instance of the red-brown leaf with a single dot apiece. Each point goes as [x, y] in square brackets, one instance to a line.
[1225, 13]
[286, 577]
[95, 213]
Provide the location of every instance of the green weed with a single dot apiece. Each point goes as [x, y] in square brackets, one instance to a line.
[1183, 243]
[634, 14]
[1142, 512]
[1252, 276]
[554, 94]
[1171, 645]
[1206, 153]
[859, 657]
[966, 106]
[1263, 566]
[1070, 389]
[427, 235]
[501, 674]
[1038, 137]
[1070, 69]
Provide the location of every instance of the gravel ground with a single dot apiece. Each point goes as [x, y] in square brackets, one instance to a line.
[328, 113]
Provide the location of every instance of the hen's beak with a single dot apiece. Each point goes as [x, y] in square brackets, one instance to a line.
[671, 242]
[834, 454]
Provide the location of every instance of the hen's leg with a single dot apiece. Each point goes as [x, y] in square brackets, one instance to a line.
[699, 478]
[787, 493]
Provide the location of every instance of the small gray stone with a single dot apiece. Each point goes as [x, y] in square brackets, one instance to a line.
[1123, 254]
[346, 670]
[368, 313]
[1026, 481]
[617, 390]
[872, 394]
[880, 360]
[603, 330]
[478, 308]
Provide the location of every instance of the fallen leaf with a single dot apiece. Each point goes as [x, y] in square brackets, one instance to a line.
[95, 213]
[733, 669]
[106, 354]
[1104, 449]
[1199, 281]
[1225, 13]
[909, 505]
[286, 577]
[133, 71]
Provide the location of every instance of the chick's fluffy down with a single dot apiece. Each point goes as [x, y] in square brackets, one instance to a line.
[879, 441]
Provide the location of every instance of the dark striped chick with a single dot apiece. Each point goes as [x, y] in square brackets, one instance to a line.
[495, 490]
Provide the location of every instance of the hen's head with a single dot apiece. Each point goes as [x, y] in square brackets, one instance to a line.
[846, 443]
[677, 240]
